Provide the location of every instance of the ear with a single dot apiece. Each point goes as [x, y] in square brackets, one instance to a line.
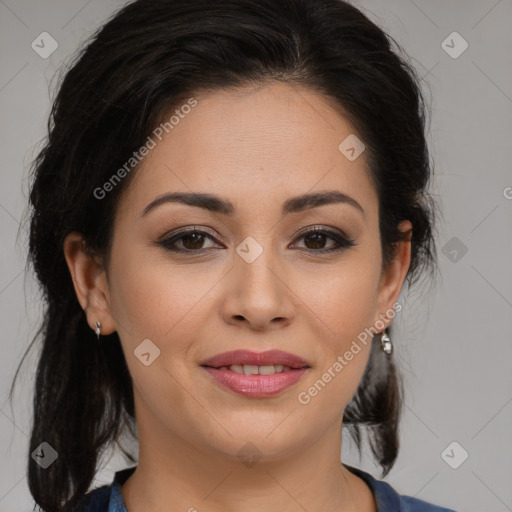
[393, 277]
[90, 282]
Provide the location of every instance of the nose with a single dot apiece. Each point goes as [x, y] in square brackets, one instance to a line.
[258, 294]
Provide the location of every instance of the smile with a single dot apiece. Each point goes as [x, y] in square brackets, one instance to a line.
[256, 374]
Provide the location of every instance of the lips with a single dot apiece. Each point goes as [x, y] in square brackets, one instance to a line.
[256, 374]
[246, 357]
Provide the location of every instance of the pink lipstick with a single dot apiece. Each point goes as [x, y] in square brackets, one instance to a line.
[256, 374]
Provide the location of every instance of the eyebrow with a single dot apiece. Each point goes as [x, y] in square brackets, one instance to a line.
[217, 205]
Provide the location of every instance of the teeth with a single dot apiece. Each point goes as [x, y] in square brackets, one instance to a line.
[267, 370]
[251, 369]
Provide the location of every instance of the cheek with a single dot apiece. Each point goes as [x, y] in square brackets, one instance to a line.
[151, 298]
[157, 301]
[345, 310]
[341, 307]
[342, 300]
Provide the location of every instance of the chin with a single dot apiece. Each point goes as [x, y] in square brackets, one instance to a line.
[264, 444]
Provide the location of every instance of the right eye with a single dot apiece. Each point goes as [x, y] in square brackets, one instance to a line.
[191, 240]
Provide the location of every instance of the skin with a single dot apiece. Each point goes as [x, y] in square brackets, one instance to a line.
[256, 147]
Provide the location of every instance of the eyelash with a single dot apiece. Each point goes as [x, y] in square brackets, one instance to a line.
[342, 241]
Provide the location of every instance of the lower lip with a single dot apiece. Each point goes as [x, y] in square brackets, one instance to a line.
[256, 386]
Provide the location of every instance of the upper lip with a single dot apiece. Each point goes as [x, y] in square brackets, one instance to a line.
[241, 357]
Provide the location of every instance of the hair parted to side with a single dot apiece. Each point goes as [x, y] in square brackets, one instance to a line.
[146, 60]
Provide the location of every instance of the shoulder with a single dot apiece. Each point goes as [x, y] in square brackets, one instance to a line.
[409, 504]
[389, 500]
[106, 498]
[96, 500]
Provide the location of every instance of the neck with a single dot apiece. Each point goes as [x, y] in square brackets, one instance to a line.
[173, 474]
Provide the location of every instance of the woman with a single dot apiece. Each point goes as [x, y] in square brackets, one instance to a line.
[229, 202]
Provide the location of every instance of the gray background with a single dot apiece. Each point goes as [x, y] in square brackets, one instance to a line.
[453, 344]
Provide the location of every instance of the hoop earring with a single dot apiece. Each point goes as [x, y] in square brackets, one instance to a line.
[98, 329]
[385, 343]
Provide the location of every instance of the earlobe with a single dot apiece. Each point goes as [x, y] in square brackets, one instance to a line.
[89, 281]
[394, 275]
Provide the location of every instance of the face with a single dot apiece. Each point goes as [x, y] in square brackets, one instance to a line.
[251, 277]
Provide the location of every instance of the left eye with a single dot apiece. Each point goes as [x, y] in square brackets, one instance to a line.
[192, 240]
[318, 236]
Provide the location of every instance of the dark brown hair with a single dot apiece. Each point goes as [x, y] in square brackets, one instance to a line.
[138, 66]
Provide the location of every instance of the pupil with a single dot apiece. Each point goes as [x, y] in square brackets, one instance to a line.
[198, 241]
[319, 239]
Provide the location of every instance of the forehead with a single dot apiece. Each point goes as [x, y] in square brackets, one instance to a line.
[265, 143]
